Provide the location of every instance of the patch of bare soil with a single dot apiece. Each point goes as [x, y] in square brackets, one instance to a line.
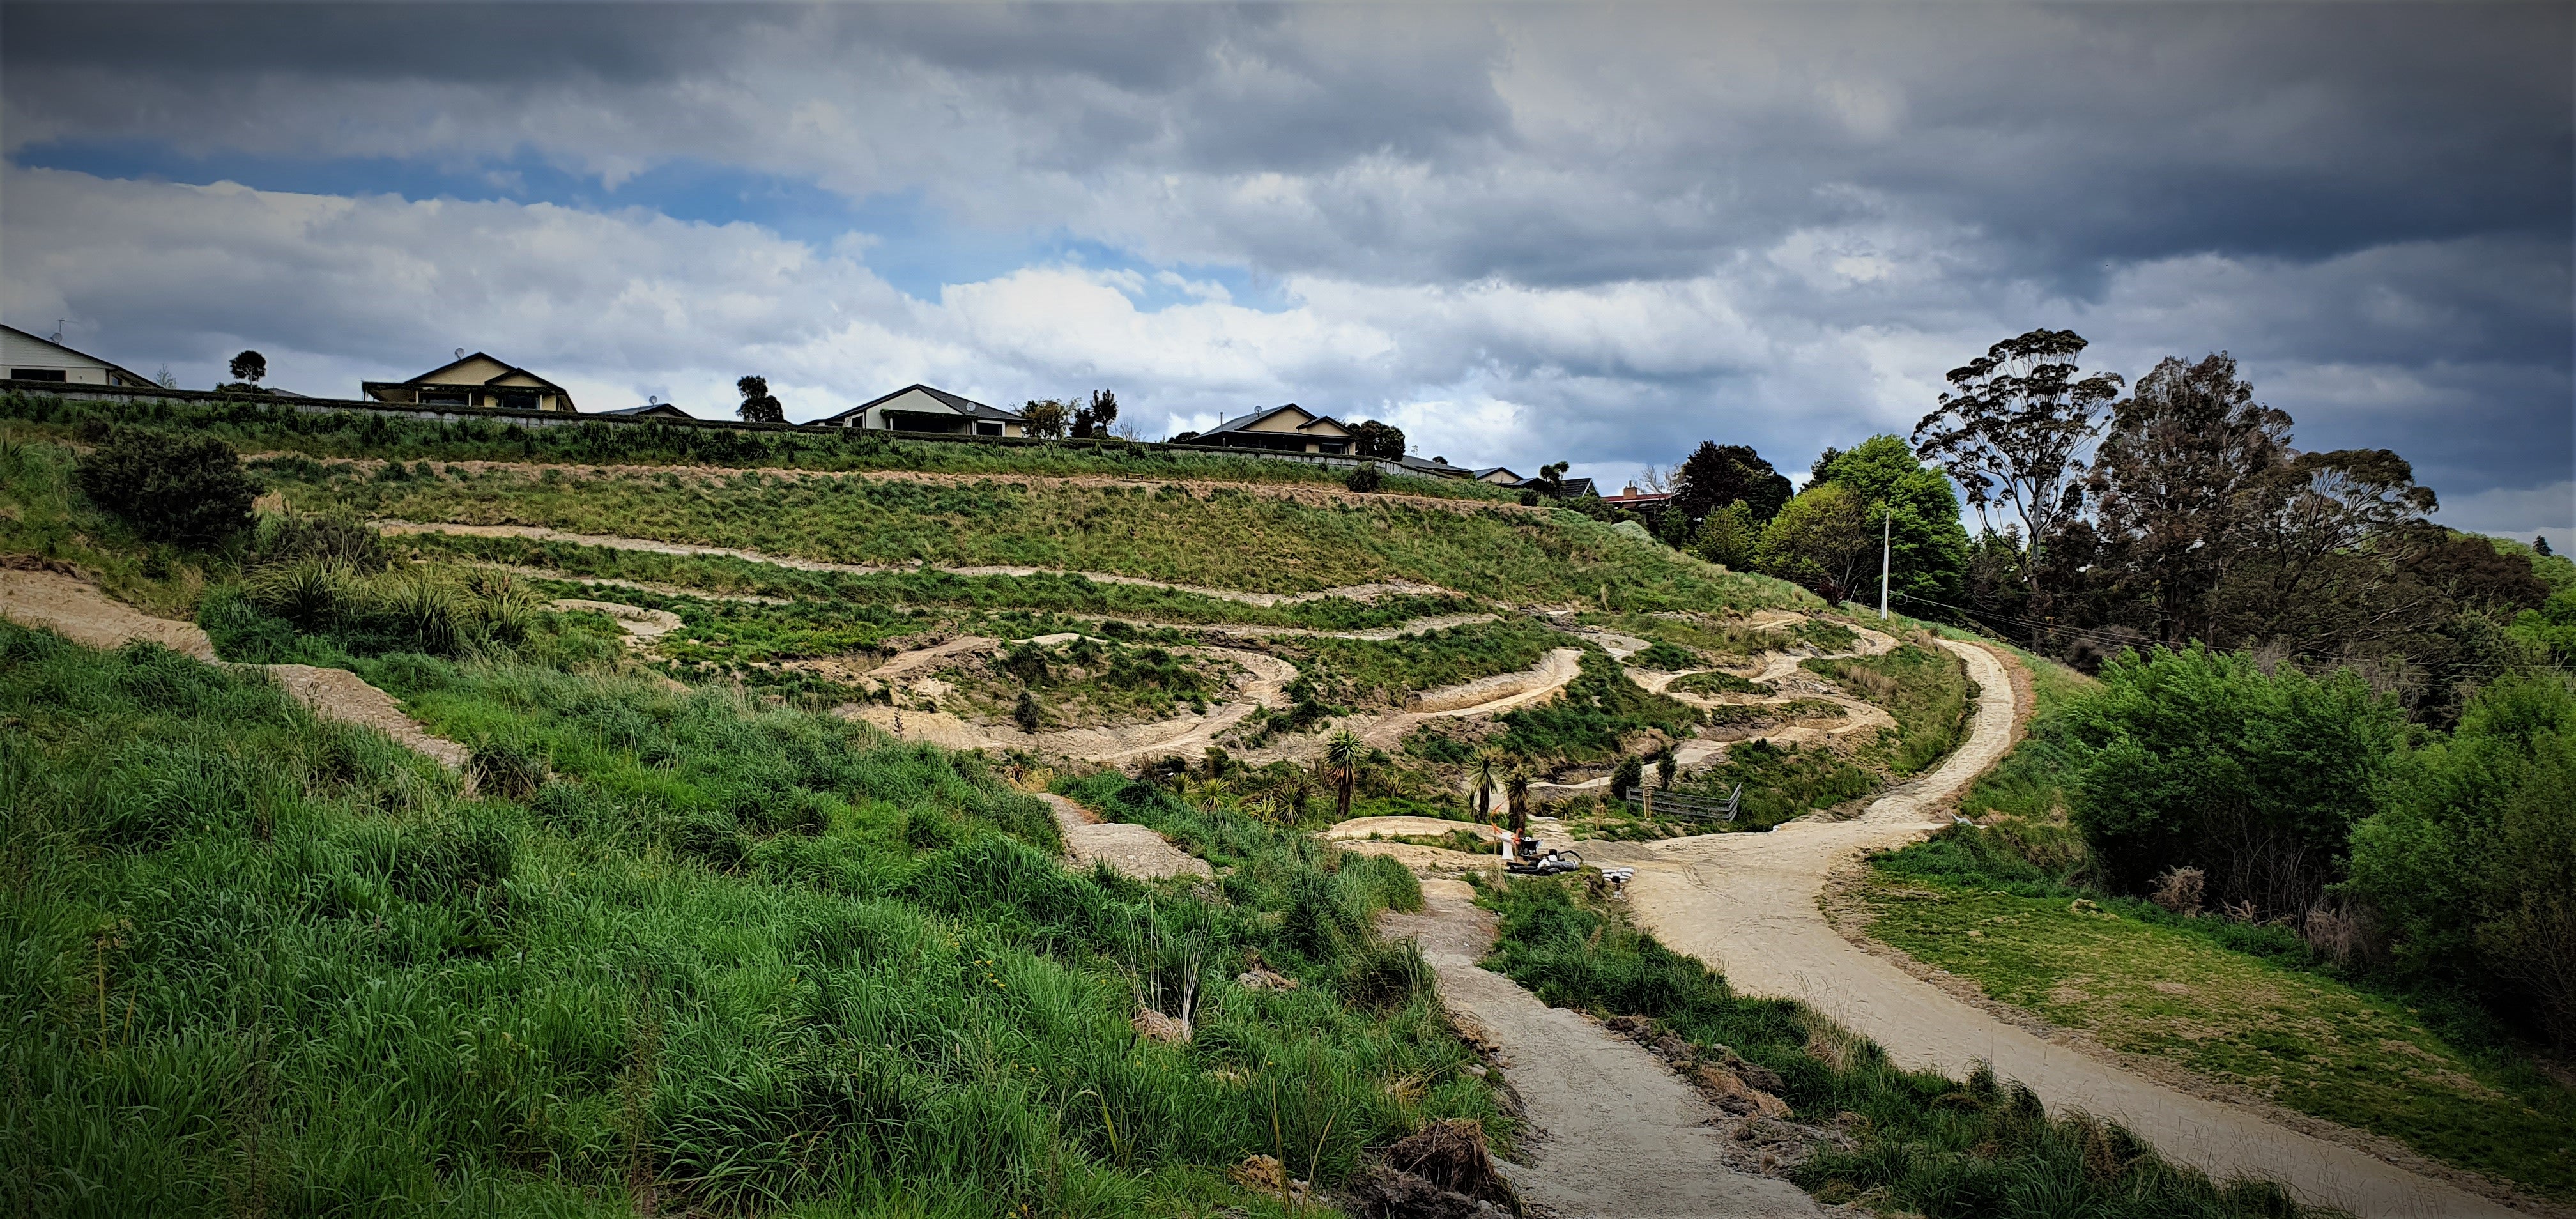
[1132, 850]
[77, 610]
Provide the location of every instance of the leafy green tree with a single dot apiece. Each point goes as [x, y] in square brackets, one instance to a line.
[2200, 759]
[249, 366]
[1826, 539]
[2551, 627]
[757, 405]
[189, 489]
[1927, 545]
[2472, 862]
[1485, 773]
[2176, 477]
[1716, 475]
[1342, 753]
[1094, 417]
[1380, 440]
[1730, 537]
[1047, 418]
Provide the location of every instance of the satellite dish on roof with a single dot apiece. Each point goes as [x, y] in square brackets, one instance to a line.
[460, 353]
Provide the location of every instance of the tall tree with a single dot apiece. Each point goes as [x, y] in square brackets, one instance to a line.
[1927, 546]
[2012, 431]
[250, 366]
[1384, 441]
[1715, 475]
[1485, 773]
[1516, 792]
[757, 406]
[2327, 534]
[2174, 479]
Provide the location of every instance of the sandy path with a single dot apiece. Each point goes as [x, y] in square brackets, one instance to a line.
[1618, 1134]
[77, 610]
[1355, 592]
[1264, 686]
[1747, 905]
[1483, 696]
[1130, 849]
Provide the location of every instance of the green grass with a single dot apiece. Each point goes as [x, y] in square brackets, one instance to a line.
[1781, 782]
[256, 427]
[1084, 683]
[1926, 689]
[1042, 593]
[1228, 539]
[1382, 672]
[43, 516]
[1594, 715]
[1943, 1148]
[1712, 636]
[1716, 682]
[760, 960]
[2298, 1038]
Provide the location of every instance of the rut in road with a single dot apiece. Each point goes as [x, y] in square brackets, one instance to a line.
[1747, 905]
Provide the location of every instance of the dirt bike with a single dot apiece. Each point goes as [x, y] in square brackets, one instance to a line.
[1529, 861]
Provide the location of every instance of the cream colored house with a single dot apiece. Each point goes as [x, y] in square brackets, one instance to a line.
[1285, 429]
[919, 408]
[475, 380]
[28, 358]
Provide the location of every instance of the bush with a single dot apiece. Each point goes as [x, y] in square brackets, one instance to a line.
[2199, 759]
[1364, 480]
[188, 489]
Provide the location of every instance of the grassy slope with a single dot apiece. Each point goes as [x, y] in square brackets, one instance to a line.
[1926, 690]
[2303, 1040]
[1228, 539]
[755, 959]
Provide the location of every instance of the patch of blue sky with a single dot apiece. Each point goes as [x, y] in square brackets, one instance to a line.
[913, 244]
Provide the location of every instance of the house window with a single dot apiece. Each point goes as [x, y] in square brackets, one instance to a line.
[987, 429]
[518, 399]
[38, 374]
[444, 397]
[1334, 447]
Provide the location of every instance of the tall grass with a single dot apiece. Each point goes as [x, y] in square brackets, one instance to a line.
[722, 958]
[1927, 1144]
[1925, 689]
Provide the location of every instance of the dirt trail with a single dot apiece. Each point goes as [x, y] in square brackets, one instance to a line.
[77, 610]
[1130, 849]
[1747, 905]
[1483, 696]
[1264, 686]
[1355, 592]
[1619, 1135]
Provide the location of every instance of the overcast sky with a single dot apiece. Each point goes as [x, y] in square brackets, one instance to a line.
[1523, 233]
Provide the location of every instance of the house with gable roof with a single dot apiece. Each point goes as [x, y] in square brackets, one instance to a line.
[26, 357]
[921, 408]
[477, 380]
[1284, 429]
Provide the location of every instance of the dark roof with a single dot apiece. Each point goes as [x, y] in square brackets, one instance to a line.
[658, 410]
[1493, 470]
[513, 369]
[1576, 488]
[1434, 465]
[963, 406]
[1240, 422]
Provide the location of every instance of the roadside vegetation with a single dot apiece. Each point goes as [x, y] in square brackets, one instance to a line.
[1919, 1142]
[2270, 879]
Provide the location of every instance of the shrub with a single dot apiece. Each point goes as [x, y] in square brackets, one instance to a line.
[1364, 480]
[188, 489]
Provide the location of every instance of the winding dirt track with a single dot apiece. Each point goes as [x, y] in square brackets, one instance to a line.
[1747, 905]
[1129, 849]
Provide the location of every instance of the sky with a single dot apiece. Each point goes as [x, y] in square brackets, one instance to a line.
[1523, 233]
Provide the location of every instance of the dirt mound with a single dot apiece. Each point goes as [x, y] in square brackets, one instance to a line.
[1451, 1154]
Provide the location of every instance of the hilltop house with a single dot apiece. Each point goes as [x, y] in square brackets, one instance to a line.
[919, 408]
[1439, 467]
[475, 380]
[1283, 429]
[29, 358]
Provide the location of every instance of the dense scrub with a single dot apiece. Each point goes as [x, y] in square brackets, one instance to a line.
[1227, 538]
[1925, 1143]
[682, 951]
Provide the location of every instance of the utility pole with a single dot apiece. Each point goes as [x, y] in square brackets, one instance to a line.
[1886, 530]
